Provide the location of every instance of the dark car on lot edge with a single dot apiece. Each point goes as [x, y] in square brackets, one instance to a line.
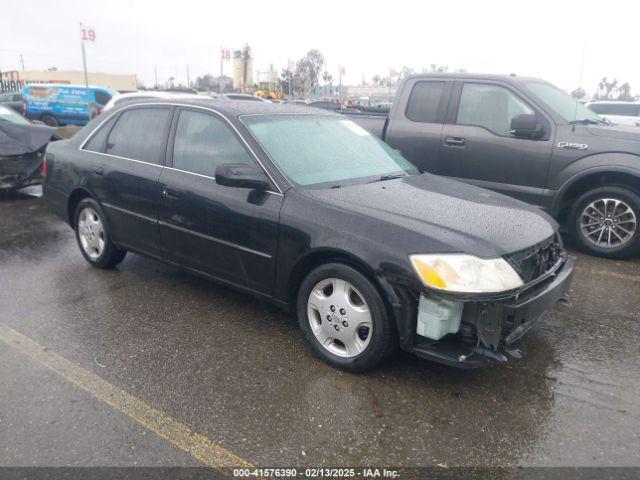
[525, 138]
[306, 209]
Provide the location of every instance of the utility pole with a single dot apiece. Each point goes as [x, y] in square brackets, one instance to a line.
[155, 67]
[188, 79]
[290, 67]
[22, 62]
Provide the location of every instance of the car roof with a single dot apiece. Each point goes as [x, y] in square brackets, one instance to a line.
[152, 94]
[510, 78]
[232, 108]
[614, 102]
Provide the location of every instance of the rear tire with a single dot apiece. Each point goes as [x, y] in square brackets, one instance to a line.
[604, 222]
[50, 120]
[92, 234]
[344, 318]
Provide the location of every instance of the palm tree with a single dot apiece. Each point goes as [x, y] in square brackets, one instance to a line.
[625, 92]
[328, 79]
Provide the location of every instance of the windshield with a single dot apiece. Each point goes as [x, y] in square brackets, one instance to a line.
[9, 115]
[320, 150]
[562, 103]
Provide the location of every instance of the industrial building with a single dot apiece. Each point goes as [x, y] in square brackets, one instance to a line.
[119, 82]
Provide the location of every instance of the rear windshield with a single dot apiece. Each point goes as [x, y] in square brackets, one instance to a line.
[323, 151]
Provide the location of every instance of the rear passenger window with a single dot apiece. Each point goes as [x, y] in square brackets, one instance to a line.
[98, 140]
[424, 102]
[140, 134]
[203, 142]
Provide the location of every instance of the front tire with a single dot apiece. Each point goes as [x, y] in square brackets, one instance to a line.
[92, 234]
[604, 222]
[344, 318]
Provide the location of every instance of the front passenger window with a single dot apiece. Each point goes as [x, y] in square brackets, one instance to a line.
[490, 106]
[203, 141]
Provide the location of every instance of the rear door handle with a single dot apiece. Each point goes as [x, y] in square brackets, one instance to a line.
[99, 171]
[170, 194]
[455, 142]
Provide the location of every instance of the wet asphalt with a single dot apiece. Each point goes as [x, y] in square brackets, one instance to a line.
[238, 371]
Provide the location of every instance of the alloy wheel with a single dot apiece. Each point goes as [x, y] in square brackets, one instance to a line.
[608, 222]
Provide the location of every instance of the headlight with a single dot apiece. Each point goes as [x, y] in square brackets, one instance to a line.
[465, 273]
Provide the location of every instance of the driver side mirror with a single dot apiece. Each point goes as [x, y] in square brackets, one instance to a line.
[526, 126]
[242, 176]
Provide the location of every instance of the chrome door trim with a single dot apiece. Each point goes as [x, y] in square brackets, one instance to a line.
[216, 240]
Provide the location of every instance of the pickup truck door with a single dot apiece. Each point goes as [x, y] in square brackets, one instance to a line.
[416, 130]
[477, 147]
[226, 232]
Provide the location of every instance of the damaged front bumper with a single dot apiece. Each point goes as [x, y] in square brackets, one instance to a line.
[489, 327]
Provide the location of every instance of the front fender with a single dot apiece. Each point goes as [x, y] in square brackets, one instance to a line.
[621, 163]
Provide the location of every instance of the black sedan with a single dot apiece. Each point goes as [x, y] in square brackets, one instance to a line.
[309, 211]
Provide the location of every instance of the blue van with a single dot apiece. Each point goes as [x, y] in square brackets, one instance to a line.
[58, 104]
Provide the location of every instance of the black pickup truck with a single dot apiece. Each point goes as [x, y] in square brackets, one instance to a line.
[526, 138]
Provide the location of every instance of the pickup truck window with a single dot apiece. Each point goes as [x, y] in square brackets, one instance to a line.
[424, 102]
[203, 142]
[490, 106]
[324, 150]
[139, 134]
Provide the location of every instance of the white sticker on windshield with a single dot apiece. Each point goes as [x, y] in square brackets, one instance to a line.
[354, 127]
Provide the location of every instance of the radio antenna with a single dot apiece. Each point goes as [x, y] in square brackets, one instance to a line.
[575, 111]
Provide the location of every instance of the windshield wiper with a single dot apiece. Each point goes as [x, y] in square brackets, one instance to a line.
[388, 177]
[588, 121]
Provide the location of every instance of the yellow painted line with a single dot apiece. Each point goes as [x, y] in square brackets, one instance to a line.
[176, 433]
[609, 273]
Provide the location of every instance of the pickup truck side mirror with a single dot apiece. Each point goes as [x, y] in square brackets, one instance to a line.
[526, 126]
[242, 176]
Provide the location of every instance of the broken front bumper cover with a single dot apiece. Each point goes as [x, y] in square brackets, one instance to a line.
[499, 323]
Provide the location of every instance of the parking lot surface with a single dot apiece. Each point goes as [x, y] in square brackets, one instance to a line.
[122, 367]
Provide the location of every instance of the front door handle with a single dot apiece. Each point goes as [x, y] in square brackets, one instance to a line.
[170, 194]
[99, 171]
[455, 142]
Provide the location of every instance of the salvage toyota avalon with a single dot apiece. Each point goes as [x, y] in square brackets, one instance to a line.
[306, 209]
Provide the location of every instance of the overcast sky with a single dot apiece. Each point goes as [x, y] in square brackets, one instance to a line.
[538, 37]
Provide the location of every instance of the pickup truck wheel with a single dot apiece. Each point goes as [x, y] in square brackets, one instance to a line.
[93, 236]
[604, 222]
[344, 318]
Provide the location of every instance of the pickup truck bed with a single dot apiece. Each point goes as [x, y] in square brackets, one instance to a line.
[374, 123]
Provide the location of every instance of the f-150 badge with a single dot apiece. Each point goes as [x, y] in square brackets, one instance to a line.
[574, 146]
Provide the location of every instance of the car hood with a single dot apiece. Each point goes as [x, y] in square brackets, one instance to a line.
[444, 216]
[617, 132]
